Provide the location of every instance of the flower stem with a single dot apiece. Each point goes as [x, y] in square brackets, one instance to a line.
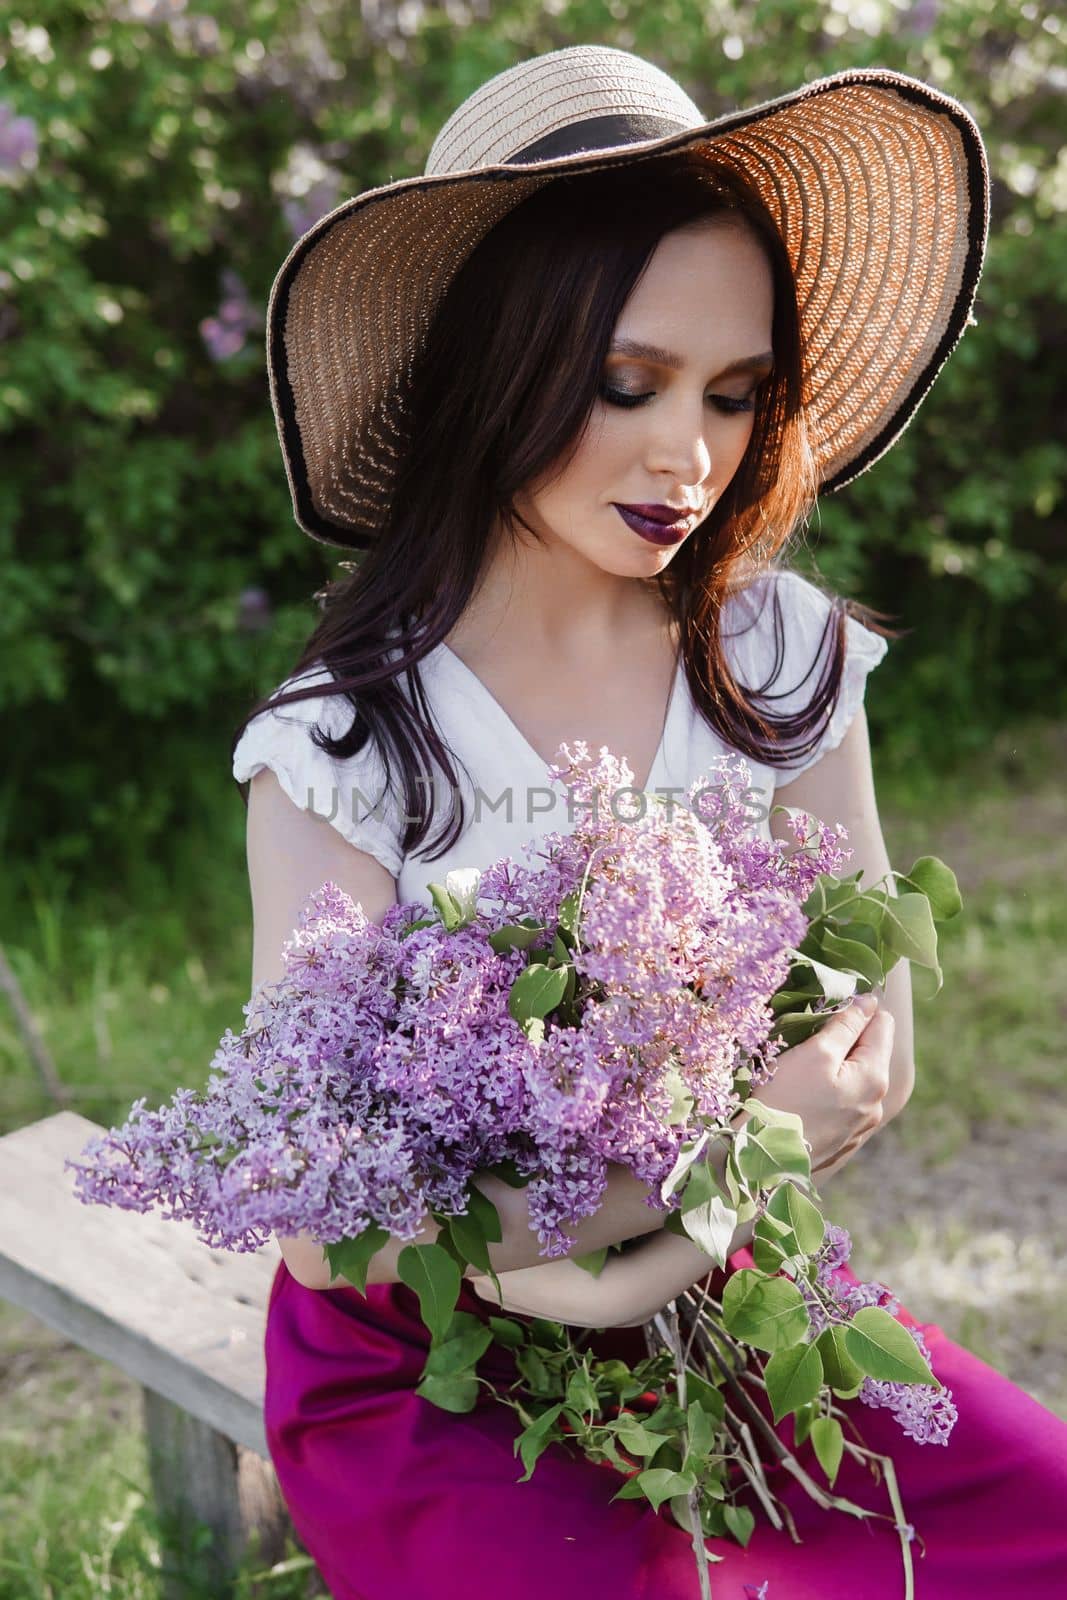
[669, 1332]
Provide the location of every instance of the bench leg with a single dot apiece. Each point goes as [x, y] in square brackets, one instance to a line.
[201, 1477]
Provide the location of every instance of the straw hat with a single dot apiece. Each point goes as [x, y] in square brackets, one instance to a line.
[878, 182]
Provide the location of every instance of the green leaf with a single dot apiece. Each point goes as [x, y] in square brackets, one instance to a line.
[787, 1205]
[593, 1263]
[536, 991]
[508, 1172]
[791, 999]
[766, 1155]
[507, 1332]
[351, 1258]
[740, 1522]
[568, 910]
[660, 1483]
[548, 1334]
[534, 1371]
[637, 1439]
[515, 936]
[581, 1394]
[767, 1253]
[839, 1369]
[767, 1312]
[835, 985]
[701, 1425]
[711, 1228]
[444, 905]
[884, 1349]
[793, 1027]
[931, 877]
[803, 1418]
[681, 1097]
[452, 1392]
[854, 954]
[869, 907]
[827, 892]
[793, 1377]
[473, 1232]
[828, 1442]
[466, 1341]
[687, 1156]
[534, 1440]
[762, 1115]
[909, 929]
[707, 1396]
[435, 1278]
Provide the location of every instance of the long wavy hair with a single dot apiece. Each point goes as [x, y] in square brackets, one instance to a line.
[503, 389]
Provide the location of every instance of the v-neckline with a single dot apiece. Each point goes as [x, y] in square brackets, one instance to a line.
[520, 738]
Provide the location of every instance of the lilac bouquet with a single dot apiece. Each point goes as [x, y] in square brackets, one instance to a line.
[614, 1000]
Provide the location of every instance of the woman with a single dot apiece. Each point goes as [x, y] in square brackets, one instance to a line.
[574, 406]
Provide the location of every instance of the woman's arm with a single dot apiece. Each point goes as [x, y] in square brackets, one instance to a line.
[840, 788]
[631, 1288]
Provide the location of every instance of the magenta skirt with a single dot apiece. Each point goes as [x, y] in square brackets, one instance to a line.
[398, 1500]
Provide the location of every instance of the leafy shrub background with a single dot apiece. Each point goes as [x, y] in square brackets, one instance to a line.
[156, 165]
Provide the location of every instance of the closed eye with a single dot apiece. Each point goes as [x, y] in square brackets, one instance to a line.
[725, 403]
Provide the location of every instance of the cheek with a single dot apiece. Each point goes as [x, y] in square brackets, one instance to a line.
[733, 450]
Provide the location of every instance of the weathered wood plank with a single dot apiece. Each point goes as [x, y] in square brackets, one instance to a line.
[144, 1293]
[201, 1478]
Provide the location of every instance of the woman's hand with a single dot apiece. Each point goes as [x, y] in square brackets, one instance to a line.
[836, 1082]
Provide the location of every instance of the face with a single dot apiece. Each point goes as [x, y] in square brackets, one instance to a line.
[675, 412]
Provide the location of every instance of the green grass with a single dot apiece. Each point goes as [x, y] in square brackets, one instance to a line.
[132, 991]
[989, 1047]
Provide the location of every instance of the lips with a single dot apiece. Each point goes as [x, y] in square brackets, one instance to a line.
[668, 515]
[652, 523]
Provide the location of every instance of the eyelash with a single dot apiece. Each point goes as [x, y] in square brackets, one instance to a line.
[620, 397]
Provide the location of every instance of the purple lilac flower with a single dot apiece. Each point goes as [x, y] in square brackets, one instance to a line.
[301, 212]
[925, 1415]
[18, 140]
[920, 18]
[253, 609]
[227, 332]
[385, 1069]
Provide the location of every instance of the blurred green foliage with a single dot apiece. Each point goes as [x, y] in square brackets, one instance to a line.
[156, 165]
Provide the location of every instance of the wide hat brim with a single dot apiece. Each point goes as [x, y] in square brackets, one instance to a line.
[878, 183]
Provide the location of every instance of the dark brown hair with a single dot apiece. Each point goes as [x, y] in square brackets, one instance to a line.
[503, 387]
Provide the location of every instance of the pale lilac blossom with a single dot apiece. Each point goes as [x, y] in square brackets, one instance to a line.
[18, 140]
[385, 1069]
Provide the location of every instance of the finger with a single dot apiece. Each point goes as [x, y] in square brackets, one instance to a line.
[872, 1054]
[840, 1033]
[853, 1018]
[875, 1032]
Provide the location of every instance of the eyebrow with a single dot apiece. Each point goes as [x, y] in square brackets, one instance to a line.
[666, 358]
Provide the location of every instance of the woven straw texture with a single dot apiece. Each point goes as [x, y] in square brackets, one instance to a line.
[878, 183]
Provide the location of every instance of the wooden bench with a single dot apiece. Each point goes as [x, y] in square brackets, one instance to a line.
[183, 1320]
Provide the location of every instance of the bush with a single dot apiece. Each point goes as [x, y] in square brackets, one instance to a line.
[156, 166]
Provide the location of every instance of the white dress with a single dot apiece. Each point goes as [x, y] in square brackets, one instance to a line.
[495, 757]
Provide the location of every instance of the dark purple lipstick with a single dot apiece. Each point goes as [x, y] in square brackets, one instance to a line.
[658, 524]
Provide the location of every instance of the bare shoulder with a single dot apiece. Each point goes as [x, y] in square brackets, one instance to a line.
[291, 853]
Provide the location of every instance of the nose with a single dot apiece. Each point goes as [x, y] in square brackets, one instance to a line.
[678, 446]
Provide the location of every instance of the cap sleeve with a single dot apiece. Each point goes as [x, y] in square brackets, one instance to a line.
[353, 795]
[750, 644]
